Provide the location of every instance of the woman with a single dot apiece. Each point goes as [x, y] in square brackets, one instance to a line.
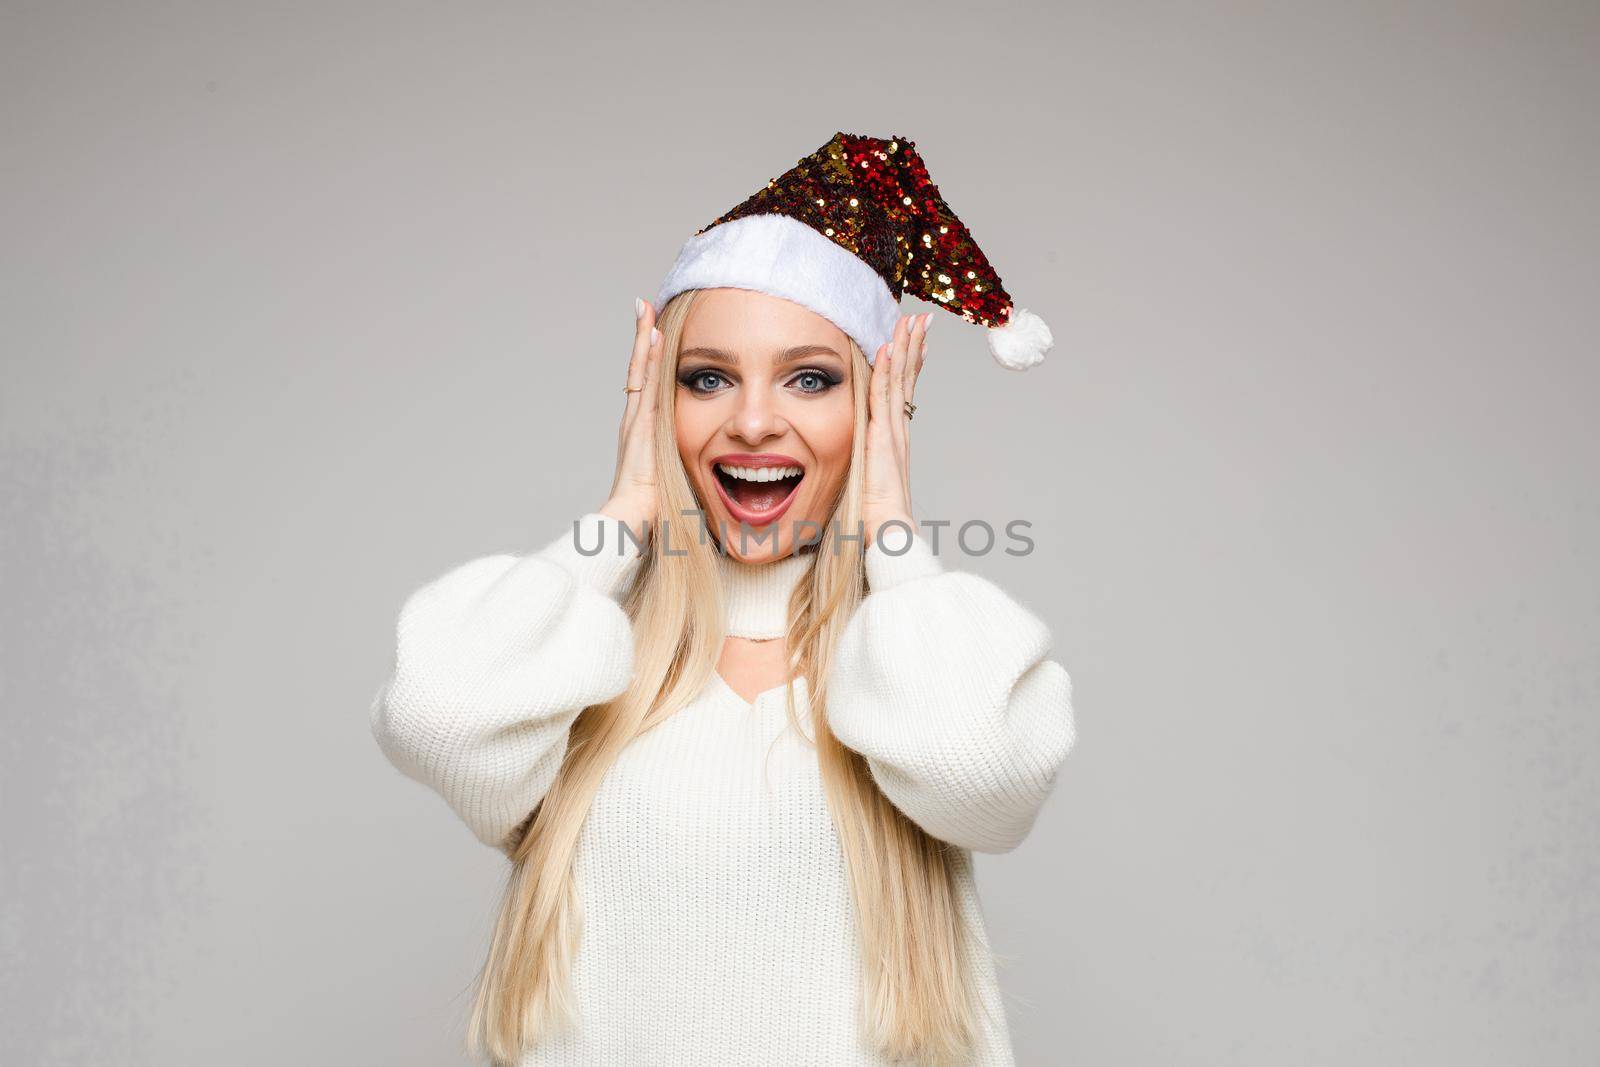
[740, 756]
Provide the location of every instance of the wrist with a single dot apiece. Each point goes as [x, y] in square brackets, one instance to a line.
[635, 517]
[900, 526]
[900, 555]
[596, 552]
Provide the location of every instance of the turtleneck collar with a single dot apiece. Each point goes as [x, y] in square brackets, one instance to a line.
[756, 595]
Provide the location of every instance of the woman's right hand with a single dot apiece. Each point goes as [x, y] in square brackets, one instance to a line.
[634, 497]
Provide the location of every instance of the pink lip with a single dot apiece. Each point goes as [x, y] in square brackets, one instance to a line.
[755, 459]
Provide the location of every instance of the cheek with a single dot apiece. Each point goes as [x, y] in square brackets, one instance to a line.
[829, 433]
[832, 442]
[693, 429]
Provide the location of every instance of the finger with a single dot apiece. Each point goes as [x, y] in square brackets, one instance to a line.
[646, 398]
[922, 357]
[880, 363]
[644, 319]
[897, 350]
[896, 391]
[903, 355]
[897, 355]
[914, 345]
[918, 346]
[636, 448]
[644, 322]
[876, 388]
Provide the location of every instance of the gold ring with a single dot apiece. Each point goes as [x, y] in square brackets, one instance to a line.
[634, 389]
[910, 409]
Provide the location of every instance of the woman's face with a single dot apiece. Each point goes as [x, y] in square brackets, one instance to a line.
[764, 417]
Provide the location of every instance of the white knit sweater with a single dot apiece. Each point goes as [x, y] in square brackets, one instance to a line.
[717, 913]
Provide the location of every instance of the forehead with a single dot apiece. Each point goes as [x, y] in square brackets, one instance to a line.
[752, 324]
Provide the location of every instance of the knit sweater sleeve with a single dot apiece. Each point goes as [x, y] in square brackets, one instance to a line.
[941, 682]
[495, 660]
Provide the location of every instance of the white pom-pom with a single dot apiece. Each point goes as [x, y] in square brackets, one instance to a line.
[1022, 342]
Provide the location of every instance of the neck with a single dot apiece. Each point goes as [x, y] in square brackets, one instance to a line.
[756, 595]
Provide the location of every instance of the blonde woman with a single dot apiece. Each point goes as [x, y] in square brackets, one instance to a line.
[740, 728]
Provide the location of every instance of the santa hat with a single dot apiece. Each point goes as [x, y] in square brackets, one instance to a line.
[844, 233]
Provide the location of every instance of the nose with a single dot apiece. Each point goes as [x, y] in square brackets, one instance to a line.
[756, 418]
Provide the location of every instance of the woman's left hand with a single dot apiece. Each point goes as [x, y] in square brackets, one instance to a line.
[887, 494]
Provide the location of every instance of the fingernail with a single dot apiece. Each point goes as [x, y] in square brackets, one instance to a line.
[655, 336]
[638, 308]
[927, 322]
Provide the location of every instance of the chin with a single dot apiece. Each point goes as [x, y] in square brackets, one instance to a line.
[764, 544]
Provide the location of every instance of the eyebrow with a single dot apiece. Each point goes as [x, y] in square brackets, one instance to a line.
[788, 355]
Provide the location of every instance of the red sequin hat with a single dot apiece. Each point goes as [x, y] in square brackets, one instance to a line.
[844, 233]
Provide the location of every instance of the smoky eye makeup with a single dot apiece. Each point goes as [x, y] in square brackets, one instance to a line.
[808, 381]
[822, 379]
[691, 379]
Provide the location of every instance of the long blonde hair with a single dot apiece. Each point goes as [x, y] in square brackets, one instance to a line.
[917, 1000]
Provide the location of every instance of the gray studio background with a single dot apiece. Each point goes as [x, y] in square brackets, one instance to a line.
[305, 304]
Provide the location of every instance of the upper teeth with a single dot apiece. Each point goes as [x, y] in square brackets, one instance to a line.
[760, 474]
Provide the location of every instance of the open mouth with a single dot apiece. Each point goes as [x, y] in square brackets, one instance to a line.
[757, 494]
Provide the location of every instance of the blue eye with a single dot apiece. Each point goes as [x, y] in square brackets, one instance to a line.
[821, 380]
[811, 382]
[693, 381]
